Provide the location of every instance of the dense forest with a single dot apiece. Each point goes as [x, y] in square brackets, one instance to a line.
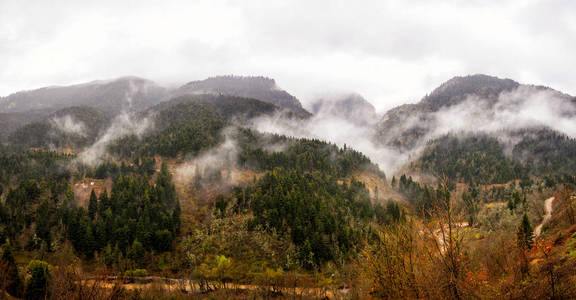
[474, 159]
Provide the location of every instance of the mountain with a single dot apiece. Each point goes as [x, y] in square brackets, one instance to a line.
[189, 124]
[260, 88]
[457, 89]
[74, 127]
[190, 174]
[352, 107]
[478, 96]
[126, 93]
[9, 122]
[485, 129]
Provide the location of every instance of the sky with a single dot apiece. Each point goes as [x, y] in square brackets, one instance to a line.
[391, 52]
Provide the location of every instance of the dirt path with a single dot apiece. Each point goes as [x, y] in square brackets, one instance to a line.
[548, 207]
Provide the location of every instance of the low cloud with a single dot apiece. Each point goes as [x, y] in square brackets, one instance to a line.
[524, 108]
[527, 107]
[338, 130]
[123, 125]
[69, 125]
[216, 164]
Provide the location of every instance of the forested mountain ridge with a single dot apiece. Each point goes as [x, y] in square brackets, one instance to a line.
[74, 127]
[504, 122]
[132, 95]
[128, 93]
[261, 88]
[405, 126]
[193, 188]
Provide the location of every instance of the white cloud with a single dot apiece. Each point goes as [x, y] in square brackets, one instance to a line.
[391, 51]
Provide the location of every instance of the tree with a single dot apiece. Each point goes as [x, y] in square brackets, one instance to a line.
[471, 206]
[162, 240]
[92, 205]
[137, 251]
[449, 243]
[9, 278]
[43, 223]
[37, 287]
[220, 269]
[176, 221]
[524, 241]
[525, 234]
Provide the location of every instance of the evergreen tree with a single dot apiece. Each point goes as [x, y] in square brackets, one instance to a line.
[11, 282]
[92, 205]
[176, 221]
[525, 234]
[43, 223]
[136, 251]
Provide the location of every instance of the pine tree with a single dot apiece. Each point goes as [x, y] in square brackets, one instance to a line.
[525, 233]
[43, 223]
[137, 251]
[69, 198]
[104, 203]
[176, 221]
[92, 206]
[11, 281]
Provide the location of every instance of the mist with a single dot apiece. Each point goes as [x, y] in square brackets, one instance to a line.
[333, 126]
[210, 164]
[526, 107]
[123, 125]
[69, 125]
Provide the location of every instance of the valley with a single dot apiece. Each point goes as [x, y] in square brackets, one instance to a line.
[229, 187]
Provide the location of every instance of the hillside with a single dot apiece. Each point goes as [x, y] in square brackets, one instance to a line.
[126, 93]
[190, 192]
[478, 97]
[73, 127]
[474, 107]
[260, 88]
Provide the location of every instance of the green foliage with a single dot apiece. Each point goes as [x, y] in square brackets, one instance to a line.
[11, 281]
[392, 213]
[300, 154]
[37, 286]
[134, 210]
[219, 268]
[136, 273]
[88, 121]
[323, 218]
[137, 251]
[92, 205]
[525, 234]
[187, 127]
[423, 197]
[473, 159]
[546, 152]
[34, 165]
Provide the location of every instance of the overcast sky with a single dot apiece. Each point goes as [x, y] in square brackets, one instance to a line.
[391, 52]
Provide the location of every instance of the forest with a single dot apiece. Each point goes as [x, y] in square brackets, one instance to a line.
[201, 204]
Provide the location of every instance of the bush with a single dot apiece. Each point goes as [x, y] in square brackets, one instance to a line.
[136, 273]
[37, 287]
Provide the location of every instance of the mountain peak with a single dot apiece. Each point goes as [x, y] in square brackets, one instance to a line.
[352, 107]
[256, 87]
[110, 95]
[459, 88]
